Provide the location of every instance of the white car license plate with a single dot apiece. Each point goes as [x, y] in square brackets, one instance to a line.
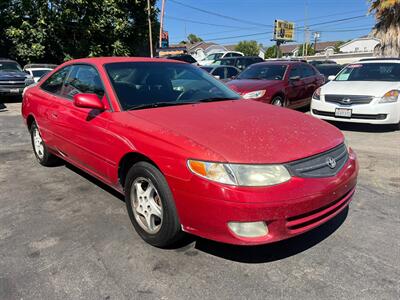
[343, 112]
[15, 91]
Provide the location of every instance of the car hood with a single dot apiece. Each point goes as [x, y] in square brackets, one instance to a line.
[249, 85]
[369, 88]
[12, 75]
[241, 131]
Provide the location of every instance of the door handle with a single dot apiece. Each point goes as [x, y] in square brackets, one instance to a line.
[54, 115]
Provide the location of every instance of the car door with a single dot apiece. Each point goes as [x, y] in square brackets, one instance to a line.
[44, 98]
[231, 73]
[220, 73]
[295, 91]
[311, 82]
[83, 131]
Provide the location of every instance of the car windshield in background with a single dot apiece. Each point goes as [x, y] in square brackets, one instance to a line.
[142, 85]
[10, 67]
[39, 73]
[264, 72]
[328, 70]
[213, 56]
[370, 72]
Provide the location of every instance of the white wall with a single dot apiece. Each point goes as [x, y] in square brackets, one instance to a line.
[359, 45]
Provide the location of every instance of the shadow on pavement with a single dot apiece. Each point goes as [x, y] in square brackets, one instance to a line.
[274, 251]
[10, 99]
[363, 127]
[245, 254]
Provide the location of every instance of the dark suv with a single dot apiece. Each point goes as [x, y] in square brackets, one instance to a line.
[12, 79]
[240, 62]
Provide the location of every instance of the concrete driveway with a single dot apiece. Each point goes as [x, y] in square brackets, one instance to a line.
[64, 235]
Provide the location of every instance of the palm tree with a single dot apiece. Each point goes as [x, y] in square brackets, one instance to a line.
[387, 27]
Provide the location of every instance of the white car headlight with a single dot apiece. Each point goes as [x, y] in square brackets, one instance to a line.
[254, 94]
[317, 94]
[391, 96]
[240, 174]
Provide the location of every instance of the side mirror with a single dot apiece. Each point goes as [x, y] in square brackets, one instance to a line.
[88, 101]
[331, 77]
[294, 78]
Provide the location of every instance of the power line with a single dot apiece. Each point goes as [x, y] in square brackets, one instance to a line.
[219, 15]
[200, 22]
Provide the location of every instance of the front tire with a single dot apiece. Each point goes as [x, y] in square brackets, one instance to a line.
[278, 101]
[44, 157]
[151, 206]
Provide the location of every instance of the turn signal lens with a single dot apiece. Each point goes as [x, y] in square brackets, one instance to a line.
[391, 96]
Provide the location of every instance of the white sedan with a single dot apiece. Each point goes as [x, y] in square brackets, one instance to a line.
[363, 92]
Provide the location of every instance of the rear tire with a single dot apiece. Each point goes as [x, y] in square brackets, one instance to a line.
[44, 157]
[151, 206]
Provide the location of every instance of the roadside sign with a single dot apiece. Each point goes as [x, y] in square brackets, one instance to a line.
[164, 39]
[283, 31]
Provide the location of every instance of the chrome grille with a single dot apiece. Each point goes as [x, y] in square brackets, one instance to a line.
[348, 99]
[326, 164]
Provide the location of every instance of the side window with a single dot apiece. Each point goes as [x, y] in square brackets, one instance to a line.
[219, 72]
[308, 71]
[55, 82]
[232, 72]
[242, 63]
[83, 79]
[229, 54]
[295, 71]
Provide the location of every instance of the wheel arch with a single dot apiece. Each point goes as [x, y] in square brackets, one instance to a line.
[29, 121]
[127, 161]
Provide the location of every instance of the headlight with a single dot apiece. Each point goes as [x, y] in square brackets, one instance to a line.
[254, 95]
[240, 174]
[29, 80]
[391, 96]
[317, 94]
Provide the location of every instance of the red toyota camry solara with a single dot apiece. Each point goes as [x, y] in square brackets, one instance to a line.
[188, 153]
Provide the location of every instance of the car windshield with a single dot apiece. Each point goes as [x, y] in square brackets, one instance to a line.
[143, 84]
[10, 67]
[39, 73]
[213, 56]
[370, 72]
[264, 72]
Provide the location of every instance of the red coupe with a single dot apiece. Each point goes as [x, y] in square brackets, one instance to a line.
[282, 83]
[188, 153]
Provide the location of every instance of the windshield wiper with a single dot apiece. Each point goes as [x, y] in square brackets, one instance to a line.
[158, 104]
[212, 99]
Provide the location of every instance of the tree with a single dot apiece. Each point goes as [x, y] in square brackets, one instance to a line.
[310, 50]
[271, 52]
[387, 27]
[192, 38]
[54, 31]
[250, 48]
[337, 46]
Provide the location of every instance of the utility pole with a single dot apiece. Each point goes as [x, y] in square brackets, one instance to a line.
[316, 37]
[150, 34]
[162, 22]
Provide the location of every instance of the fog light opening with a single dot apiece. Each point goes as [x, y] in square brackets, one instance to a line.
[249, 229]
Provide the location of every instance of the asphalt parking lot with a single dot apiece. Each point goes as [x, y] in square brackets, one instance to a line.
[63, 235]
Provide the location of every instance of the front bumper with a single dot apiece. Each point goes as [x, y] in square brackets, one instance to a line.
[288, 209]
[11, 90]
[372, 113]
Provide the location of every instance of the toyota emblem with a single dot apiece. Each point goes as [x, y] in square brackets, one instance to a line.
[331, 162]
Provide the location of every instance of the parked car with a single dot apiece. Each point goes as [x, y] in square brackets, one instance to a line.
[38, 70]
[239, 62]
[184, 57]
[188, 153]
[329, 69]
[321, 62]
[209, 59]
[13, 79]
[223, 73]
[282, 83]
[363, 92]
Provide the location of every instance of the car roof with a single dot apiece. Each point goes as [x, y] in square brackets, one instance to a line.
[379, 60]
[235, 57]
[282, 62]
[116, 59]
[328, 66]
